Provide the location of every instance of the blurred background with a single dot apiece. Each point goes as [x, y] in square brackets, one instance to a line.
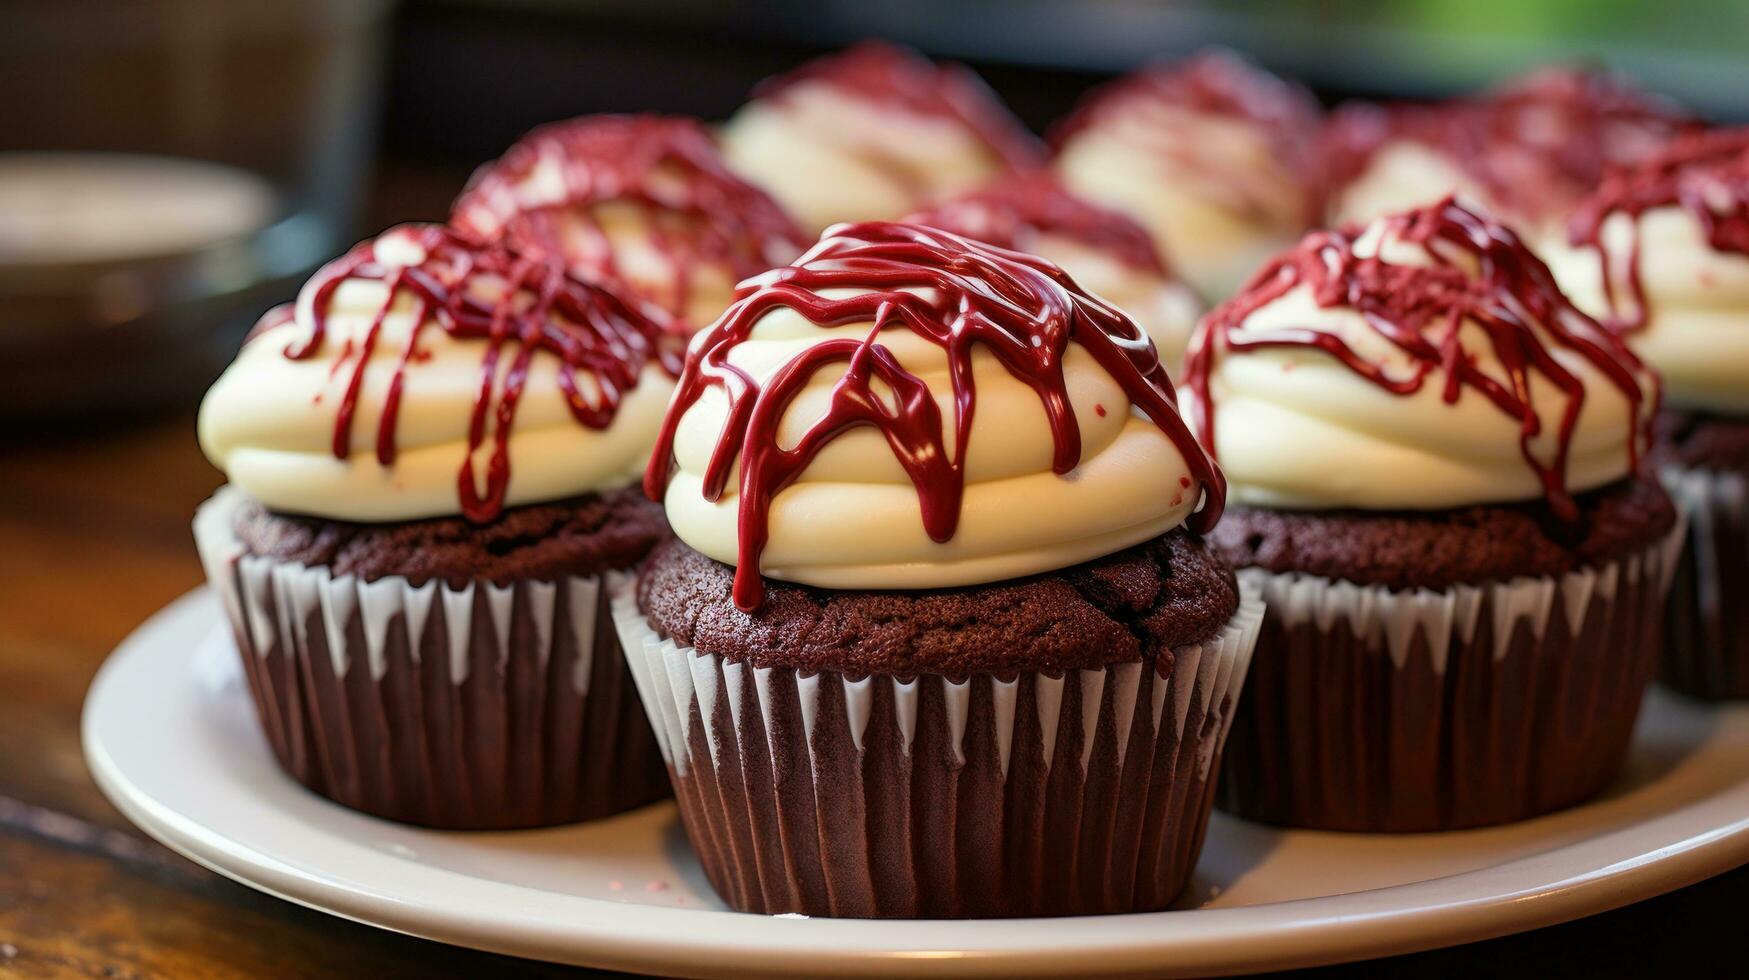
[170, 169]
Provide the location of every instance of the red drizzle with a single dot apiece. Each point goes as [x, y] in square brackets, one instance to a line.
[697, 211]
[1706, 174]
[886, 74]
[587, 328]
[1023, 309]
[1215, 83]
[1013, 213]
[1535, 145]
[1421, 310]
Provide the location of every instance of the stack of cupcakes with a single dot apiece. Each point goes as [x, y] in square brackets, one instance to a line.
[1434, 459]
[1661, 254]
[428, 461]
[927, 606]
[938, 635]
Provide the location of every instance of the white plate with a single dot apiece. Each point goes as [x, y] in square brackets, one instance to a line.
[170, 738]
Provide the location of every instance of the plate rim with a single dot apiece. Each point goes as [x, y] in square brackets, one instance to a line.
[1342, 928]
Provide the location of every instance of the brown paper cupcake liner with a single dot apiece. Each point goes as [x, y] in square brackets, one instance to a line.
[1706, 624]
[823, 794]
[1374, 710]
[487, 707]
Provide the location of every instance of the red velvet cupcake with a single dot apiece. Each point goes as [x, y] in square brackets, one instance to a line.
[1435, 467]
[428, 462]
[939, 636]
[1661, 254]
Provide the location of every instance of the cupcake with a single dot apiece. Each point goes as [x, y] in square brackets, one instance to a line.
[1528, 150]
[1434, 462]
[428, 461]
[641, 204]
[1107, 253]
[939, 636]
[1661, 254]
[1214, 156]
[874, 132]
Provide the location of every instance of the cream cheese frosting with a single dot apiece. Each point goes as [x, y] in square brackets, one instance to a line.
[643, 202]
[1395, 369]
[867, 350]
[1214, 157]
[872, 133]
[1663, 256]
[365, 402]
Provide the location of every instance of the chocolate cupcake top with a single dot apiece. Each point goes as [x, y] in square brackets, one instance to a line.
[641, 203]
[873, 133]
[427, 373]
[1528, 150]
[1107, 253]
[1661, 253]
[1214, 156]
[1425, 362]
[904, 408]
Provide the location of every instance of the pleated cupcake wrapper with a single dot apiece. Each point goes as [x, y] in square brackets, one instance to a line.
[1706, 628]
[1374, 710]
[482, 707]
[825, 794]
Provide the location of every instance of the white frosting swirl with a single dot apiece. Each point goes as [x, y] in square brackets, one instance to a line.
[1297, 429]
[1696, 332]
[852, 517]
[1213, 190]
[269, 421]
[828, 155]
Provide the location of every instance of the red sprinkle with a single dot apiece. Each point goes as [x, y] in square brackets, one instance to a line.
[588, 328]
[1421, 310]
[950, 290]
[667, 166]
[1706, 174]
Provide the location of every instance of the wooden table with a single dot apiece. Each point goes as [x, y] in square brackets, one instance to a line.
[94, 538]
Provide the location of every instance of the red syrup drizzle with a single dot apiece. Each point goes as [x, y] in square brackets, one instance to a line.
[1215, 83]
[885, 74]
[1705, 174]
[1022, 309]
[598, 334]
[1014, 212]
[1535, 145]
[669, 167]
[1422, 310]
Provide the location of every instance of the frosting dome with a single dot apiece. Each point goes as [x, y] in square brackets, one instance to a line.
[643, 203]
[426, 373]
[1528, 150]
[906, 408]
[1215, 157]
[1661, 252]
[1425, 362]
[874, 132]
[1107, 253]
